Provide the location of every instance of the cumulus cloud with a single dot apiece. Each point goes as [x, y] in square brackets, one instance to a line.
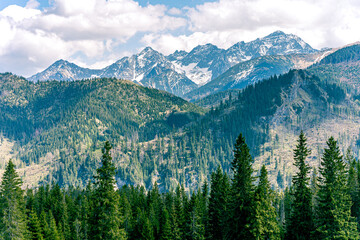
[322, 23]
[34, 38]
[32, 4]
[167, 43]
[98, 32]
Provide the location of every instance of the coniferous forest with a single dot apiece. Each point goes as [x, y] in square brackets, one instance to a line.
[320, 203]
[179, 120]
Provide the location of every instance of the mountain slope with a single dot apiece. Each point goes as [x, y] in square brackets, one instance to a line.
[59, 126]
[184, 70]
[64, 71]
[168, 80]
[139, 68]
[252, 71]
[341, 67]
[159, 137]
[207, 62]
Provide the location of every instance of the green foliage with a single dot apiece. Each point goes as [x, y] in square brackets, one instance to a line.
[105, 219]
[63, 125]
[334, 220]
[101, 212]
[346, 54]
[34, 227]
[353, 184]
[241, 202]
[265, 221]
[12, 206]
[300, 225]
[219, 195]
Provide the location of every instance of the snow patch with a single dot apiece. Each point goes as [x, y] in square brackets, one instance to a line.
[241, 75]
[139, 77]
[198, 75]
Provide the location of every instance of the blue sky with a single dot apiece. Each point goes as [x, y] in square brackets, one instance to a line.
[96, 33]
[170, 3]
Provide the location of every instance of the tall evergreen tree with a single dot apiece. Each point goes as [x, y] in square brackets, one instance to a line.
[241, 204]
[105, 221]
[300, 224]
[165, 227]
[334, 220]
[154, 203]
[353, 185]
[195, 225]
[35, 231]
[12, 205]
[265, 223]
[217, 205]
[314, 190]
[52, 232]
[287, 206]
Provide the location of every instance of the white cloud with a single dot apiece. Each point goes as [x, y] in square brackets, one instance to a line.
[32, 4]
[96, 32]
[321, 23]
[175, 11]
[17, 14]
[33, 39]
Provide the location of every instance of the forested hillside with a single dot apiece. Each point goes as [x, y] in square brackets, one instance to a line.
[230, 206]
[60, 127]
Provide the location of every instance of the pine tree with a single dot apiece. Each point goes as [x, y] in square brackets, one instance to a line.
[142, 227]
[53, 232]
[217, 205]
[287, 206]
[300, 225]
[165, 227]
[154, 209]
[334, 220]
[12, 205]
[240, 207]
[35, 231]
[106, 220]
[314, 190]
[265, 224]
[59, 210]
[195, 225]
[44, 226]
[180, 203]
[353, 185]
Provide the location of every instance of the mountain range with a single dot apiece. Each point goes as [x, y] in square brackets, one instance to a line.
[183, 72]
[268, 89]
[54, 130]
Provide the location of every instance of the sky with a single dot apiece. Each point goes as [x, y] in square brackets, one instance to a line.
[96, 33]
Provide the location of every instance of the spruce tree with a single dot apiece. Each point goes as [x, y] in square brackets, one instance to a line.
[300, 225]
[334, 220]
[105, 220]
[142, 227]
[35, 231]
[265, 224]
[195, 225]
[353, 185]
[12, 205]
[154, 203]
[241, 204]
[53, 232]
[217, 205]
[165, 227]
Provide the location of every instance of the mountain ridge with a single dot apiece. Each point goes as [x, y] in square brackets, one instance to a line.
[60, 126]
[189, 70]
